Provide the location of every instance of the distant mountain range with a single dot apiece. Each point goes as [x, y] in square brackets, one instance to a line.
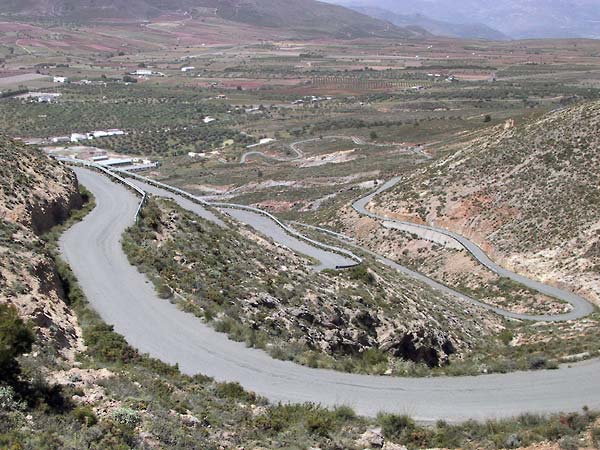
[517, 19]
[436, 27]
[309, 17]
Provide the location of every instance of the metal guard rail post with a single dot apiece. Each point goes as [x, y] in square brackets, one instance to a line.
[122, 180]
[287, 229]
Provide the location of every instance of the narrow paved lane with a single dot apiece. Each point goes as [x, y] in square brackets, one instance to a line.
[126, 299]
[581, 306]
[325, 259]
[332, 260]
[264, 225]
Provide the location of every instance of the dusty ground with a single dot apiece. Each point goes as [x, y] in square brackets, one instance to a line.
[453, 267]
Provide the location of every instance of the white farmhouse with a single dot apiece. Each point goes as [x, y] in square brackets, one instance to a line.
[142, 73]
[76, 137]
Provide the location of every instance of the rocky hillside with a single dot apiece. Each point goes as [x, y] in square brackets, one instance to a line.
[309, 17]
[35, 195]
[261, 293]
[529, 194]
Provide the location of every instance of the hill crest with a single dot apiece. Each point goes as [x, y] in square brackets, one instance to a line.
[309, 17]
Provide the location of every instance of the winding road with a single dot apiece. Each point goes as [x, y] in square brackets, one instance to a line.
[270, 226]
[126, 299]
[278, 232]
[296, 148]
[581, 306]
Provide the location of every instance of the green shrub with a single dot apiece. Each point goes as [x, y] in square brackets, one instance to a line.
[107, 345]
[361, 273]
[163, 291]
[395, 426]
[373, 356]
[7, 400]
[569, 443]
[234, 391]
[16, 339]
[506, 336]
[540, 362]
[85, 415]
[344, 413]
[320, 423]
[513, 441]
[126, 417]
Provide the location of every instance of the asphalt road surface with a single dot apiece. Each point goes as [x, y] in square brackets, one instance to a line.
[181, 201]
[126, 299]
[326, 259]
[331, 260]
[264, 225]
[581, 306]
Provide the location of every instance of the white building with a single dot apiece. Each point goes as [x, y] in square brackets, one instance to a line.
[57, 139]
[107, 133]
[187, 69]
[60, 79]
[46, 99]
[76, 137]
[263, 141]
[112, 162]
[208, 119]
[147, 73]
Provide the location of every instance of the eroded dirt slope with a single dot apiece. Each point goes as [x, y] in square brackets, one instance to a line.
[528, 194]
[35, 195]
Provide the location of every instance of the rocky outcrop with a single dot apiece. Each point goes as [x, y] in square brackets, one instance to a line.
[349, 332]
[431, 347]
[371, 318]
[45, 216]
[36, 194]
[372, 438]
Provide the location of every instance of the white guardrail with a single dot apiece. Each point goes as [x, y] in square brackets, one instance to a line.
[113, 174]
[278, 222]
[80, 162]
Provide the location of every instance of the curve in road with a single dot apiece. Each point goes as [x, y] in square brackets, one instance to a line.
[328, 259]
[125, 298]
[295, 147]
[185, 203]
[262, 224]
[581, 306]
[270, 226]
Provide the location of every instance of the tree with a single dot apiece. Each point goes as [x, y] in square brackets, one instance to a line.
[487, 118]
[373, 135]
[129, 79]
[16, 339]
